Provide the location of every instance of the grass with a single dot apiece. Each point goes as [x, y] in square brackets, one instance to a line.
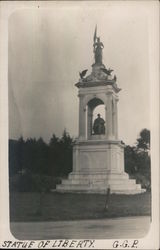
[57, 206]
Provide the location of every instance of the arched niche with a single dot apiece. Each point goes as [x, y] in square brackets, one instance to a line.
[92, 105]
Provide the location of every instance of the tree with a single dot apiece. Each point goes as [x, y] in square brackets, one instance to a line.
[53, 155]
[60, 154]
[137, 159]
[130, 157]
[66, 147]
[20, 153]
[29, 162]
[143, 142]
[15, 163]
[41, 155]
[53, 141]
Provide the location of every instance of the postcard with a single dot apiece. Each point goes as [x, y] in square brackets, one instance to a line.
[79, 124]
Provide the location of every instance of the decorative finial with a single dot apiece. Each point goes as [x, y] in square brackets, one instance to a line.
[82, 74]
[107, 71]
[115, 78]
[95, 35]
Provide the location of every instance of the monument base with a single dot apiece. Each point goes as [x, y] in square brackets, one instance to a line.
[97, 166]
[99, 183]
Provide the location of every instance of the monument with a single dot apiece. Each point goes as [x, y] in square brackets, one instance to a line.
[98, 154]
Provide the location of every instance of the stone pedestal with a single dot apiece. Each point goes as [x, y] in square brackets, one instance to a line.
[98, 160]
[98, 165]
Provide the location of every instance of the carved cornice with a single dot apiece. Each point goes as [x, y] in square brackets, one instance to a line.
[98, 83]
[99, 142]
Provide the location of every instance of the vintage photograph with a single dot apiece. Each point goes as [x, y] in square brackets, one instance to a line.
[79, 116]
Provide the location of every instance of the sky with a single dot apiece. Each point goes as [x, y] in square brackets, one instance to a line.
[49, 46]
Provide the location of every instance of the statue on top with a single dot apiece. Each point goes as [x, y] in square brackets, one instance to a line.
[98, 46]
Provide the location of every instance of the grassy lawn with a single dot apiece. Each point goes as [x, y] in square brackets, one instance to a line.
[56, 206]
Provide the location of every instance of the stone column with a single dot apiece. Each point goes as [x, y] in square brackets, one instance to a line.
[109, 117]
[106, 121]
[82, 118]
[116, 119]
[113, 117]
[75, 158]
[89, 122]
[122, 160]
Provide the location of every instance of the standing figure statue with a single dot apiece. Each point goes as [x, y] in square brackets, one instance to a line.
[98, 46]
[98, 126]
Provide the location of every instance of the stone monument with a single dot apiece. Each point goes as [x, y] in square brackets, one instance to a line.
[98, 154]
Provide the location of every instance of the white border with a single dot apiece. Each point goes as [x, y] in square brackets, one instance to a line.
[151, 241]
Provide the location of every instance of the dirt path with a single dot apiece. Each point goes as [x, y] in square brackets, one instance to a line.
[126, 227]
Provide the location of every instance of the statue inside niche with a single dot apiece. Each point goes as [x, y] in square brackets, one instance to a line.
[98, 126]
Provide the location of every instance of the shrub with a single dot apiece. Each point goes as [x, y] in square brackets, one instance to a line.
[143, 180]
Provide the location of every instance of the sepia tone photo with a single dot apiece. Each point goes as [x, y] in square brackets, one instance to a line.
[80, 123]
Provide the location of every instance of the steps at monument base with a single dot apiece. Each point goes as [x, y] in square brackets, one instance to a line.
[73, 189]
[116, 188]
[97, 176]
[132, 191]
[98, 182]
[76, 182]
[125, 186]
[128, 186]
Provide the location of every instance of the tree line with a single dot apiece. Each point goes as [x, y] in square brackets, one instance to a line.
[34, 157]
[37, 157]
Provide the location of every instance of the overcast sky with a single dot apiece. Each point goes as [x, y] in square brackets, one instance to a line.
[48, 48]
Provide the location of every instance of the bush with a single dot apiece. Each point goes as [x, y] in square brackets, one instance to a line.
[143, 180]
[138, 166]
[33, 183]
